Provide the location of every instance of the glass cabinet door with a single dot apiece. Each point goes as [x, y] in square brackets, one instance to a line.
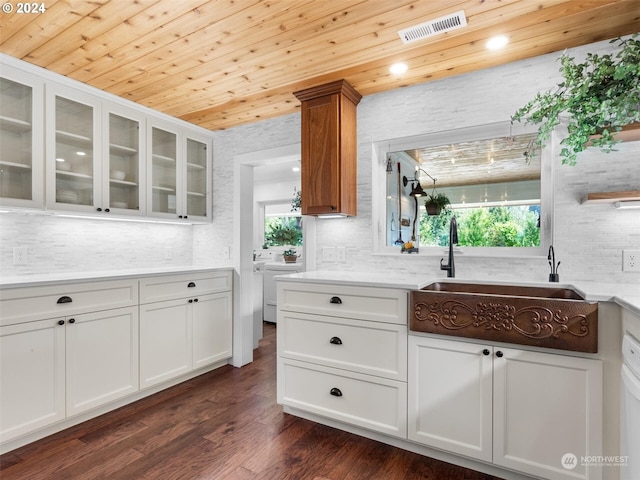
[74, 149]
[164, 169]
[123, 169]
[197, 178]
[21, 140]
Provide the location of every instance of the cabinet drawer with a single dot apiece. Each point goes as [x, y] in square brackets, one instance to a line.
[34, 303]
[370, 402]
[373, 304]
[169, 287]
[372, 348]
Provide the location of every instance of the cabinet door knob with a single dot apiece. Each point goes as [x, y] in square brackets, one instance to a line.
[179, 216]
[336, 300]
[335, 341]
[64, 299]
[72, 320]
[336, 392]
[98, 209]
[107, 210]
[486, 351]
[60, 322]
[499, 354]
[186, 216]
[191, 285]
[195, 300]
[191, 300]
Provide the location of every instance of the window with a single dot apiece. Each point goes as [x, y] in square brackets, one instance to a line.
[281, 226]
[496, 179]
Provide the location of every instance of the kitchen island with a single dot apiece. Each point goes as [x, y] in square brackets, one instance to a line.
[346, 358]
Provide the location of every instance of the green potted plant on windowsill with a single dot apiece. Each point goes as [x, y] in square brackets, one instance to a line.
[435, 203]
[290, 256]
[599, 98]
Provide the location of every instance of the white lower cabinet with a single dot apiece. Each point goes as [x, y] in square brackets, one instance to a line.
[342, 354]
[523, 410]
[32, 376]
[55, 368]
[102, 358]
[72, 351]
[165, 341]
[186, 333]
[212, 329]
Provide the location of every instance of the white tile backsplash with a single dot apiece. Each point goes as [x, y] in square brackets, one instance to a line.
[589, 239]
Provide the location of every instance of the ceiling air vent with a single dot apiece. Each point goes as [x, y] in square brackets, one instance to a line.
[433, 27]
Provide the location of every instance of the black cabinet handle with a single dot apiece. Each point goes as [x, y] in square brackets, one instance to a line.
[64, 299]
[336, 300]
[107, 210]
[191, 285]
[60, 322]
[499, 354]
[486, 351]
[336, 392]
[335, 341]
[186, 216]
[72, 320]
[99, 209]
[195, 300]
[191, 300]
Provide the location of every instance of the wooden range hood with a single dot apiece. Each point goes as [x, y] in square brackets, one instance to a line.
[329, 149]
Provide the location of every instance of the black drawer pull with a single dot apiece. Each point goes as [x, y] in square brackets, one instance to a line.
[191, 285]
[336, 392]
[60, 322]
[486, 351]
[335, 341]
[499, 354]
[336, 300]
[72, 320]
[64, 299]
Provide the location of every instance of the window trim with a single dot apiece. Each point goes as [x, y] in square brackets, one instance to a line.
[379, 151]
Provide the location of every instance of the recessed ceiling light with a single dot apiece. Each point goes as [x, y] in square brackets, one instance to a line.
[398, 68]
[497, 42]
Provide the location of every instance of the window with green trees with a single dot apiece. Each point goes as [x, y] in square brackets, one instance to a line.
[495, 226]
[282, 230]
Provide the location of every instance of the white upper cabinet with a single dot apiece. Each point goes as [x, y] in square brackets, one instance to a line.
[73, 153]
[124, 166]
[197, 176]
[180, 173]
[75, 149]
[21, 139]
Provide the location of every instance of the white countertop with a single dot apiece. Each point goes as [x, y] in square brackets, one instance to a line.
[38, 280]
[626, 295]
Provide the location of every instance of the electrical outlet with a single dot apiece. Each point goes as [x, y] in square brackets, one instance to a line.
[341, 254]
[328, 254]
[631, 260]
[20, 255]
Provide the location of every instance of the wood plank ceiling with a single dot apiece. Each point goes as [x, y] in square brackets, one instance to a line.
[221, 63]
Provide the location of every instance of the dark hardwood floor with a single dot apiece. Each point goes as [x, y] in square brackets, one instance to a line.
[221, 425]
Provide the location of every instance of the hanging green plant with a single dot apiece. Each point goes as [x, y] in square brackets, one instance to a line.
[600, 96]
[435, 203]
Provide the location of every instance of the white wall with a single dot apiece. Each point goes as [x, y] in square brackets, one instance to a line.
[589, 239]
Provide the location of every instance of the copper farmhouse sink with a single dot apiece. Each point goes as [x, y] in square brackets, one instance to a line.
[551, 317]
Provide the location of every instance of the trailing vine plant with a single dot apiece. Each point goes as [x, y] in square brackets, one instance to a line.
[600, 96]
